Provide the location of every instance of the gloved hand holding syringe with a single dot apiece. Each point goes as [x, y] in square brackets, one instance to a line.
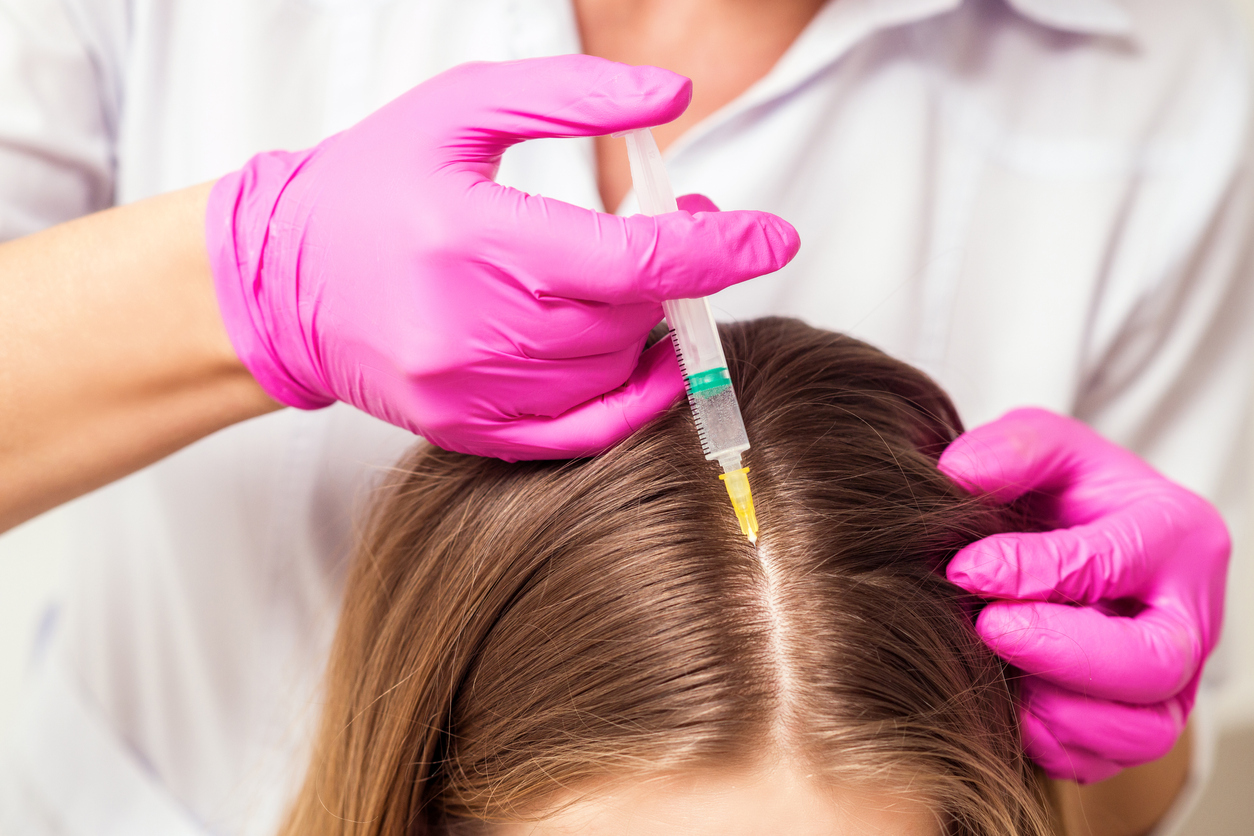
[710, 392]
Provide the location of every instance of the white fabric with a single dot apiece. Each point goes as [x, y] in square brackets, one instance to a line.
[1038, 201]
[65, 743]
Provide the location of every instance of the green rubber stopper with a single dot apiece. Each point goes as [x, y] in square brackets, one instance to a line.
[710, 379]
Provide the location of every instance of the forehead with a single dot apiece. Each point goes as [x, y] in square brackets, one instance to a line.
[776, 800]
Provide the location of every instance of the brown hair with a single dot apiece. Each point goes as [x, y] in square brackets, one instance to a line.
[514, 630]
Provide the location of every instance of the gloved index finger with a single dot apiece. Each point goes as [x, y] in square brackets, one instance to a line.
[581, 254]
[1085, 564]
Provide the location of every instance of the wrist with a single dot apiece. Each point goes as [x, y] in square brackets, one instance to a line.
[1131, 803]
[237, 395]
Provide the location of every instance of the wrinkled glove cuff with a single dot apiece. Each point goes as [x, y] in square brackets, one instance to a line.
[237, 233]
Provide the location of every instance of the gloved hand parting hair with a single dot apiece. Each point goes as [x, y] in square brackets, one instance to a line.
[1113, 613]
[385, 268]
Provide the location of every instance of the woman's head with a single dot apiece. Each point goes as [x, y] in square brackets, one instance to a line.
[532, 642]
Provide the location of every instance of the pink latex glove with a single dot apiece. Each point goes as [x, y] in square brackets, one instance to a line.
[1104, 691]
[385, 268]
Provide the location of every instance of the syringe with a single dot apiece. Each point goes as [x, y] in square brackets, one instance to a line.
[695, 333]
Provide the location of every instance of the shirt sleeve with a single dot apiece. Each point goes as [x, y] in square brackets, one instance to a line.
[59, 102]
[1167, 366]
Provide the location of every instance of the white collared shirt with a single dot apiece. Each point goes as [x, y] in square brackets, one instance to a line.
[1037, 201]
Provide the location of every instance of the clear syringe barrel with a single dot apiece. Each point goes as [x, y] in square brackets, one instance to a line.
[710, 392]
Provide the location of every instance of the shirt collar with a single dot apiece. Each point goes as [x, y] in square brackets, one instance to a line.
[1088, 17]
[842, 24]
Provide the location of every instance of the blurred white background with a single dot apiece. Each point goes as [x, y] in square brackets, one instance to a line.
[34, 557]
[1227, 809]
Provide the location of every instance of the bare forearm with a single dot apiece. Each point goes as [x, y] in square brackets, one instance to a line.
[1129, 804]
[112, 352]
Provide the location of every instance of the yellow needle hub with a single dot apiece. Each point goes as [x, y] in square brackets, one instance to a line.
[737, 482]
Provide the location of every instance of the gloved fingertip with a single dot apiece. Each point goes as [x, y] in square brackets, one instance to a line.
[974, 465]
[1005, 626]
[664, 93]
[959, 464]
[994, 568]
[694, 255]
[694, 203]
[989, 459]
[574, 95]
[782, 239]
[975, 568]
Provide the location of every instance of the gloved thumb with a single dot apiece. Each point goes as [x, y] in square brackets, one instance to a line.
[694, 203]
[474, 112]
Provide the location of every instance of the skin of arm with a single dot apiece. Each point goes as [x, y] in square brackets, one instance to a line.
[113, 354]
[1129, 804]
